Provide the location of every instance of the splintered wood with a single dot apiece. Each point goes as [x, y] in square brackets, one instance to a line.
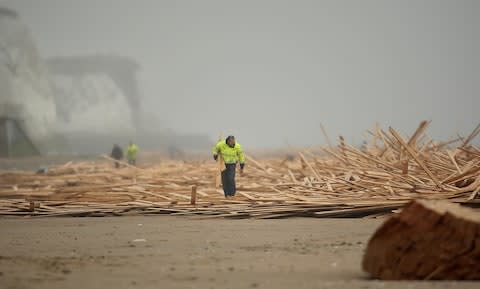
[323, 182]
[427, 240]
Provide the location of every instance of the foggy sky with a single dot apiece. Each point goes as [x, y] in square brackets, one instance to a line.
[271, 71]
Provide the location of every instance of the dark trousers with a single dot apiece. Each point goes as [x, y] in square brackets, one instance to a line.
[228, 180]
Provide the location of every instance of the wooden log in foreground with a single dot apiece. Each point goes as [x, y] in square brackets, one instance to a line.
[427, 240]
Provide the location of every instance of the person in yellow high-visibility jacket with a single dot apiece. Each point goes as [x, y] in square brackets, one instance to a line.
[231, 153]
[132, 151]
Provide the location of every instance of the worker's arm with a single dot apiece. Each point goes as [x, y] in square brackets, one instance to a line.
[215, 151]
[241, 156]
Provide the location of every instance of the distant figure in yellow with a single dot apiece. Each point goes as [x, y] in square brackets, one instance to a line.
[232, 154]
[132, 152]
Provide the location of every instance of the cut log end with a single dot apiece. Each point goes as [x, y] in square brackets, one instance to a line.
[193, 196]
[427, 240]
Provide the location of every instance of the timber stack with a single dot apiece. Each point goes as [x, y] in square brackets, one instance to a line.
[333, 181]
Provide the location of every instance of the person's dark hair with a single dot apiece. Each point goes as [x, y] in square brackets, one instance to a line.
[229, 137]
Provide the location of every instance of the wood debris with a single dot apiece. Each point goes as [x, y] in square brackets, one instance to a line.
[343, 181]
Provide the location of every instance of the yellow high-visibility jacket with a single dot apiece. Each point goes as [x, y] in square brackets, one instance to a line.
[132, 151]
[230, 155]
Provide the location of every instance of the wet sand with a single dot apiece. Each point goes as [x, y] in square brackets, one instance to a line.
[173, 252]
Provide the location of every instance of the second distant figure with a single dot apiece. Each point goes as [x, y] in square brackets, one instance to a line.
[117, 154]
[132, 152]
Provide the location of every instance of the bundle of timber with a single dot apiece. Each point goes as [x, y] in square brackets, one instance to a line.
[427, 240]
[342, 181]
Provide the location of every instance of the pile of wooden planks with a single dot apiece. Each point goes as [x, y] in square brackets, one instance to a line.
[341, 181]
